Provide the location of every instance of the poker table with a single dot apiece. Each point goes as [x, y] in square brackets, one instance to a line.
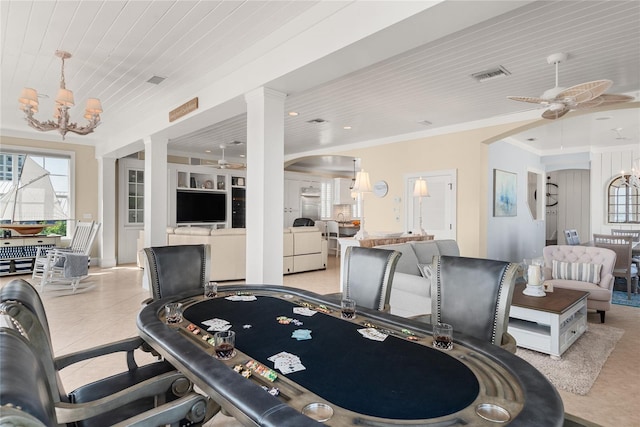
[402, 380]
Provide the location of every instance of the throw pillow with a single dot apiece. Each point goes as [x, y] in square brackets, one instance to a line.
[425, 270]
[581, 271]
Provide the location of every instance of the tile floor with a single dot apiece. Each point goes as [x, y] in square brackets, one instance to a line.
[106, 309]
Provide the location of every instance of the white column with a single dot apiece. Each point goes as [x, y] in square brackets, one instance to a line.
[265, 186]
[107, 211]
[155, 191]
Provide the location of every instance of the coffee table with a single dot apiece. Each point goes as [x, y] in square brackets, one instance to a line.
[548, 324]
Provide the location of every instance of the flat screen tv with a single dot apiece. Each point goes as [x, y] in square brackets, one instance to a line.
[201, 206]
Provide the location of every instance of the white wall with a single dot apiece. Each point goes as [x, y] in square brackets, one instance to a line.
[521, 236]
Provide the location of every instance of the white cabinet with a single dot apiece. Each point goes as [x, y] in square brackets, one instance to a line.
[291, 200]
[342, 192]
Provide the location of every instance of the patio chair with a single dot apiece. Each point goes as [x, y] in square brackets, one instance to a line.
[66, 265]
[107, 401]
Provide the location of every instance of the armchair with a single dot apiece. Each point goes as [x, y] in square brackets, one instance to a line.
[171, 270]
[474, 295]
[368, 276]
[104, 402]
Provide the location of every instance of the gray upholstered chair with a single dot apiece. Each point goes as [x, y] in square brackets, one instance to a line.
[171, 270]
[474, 295]
[137, 391]
[368, 276]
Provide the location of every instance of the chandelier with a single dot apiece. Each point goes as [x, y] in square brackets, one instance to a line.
[64, 101]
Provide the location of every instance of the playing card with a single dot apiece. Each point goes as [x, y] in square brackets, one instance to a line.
[290, 368]
[304, 311]
[373, 334]
[301, 334]
[283, 355]
[217, 324]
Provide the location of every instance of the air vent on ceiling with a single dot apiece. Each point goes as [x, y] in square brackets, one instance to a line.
[317, 121]
[425, 122]
[235, 143]
[495, 73]
[156, 80]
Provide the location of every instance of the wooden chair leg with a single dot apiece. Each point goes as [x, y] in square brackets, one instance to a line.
[602, 312]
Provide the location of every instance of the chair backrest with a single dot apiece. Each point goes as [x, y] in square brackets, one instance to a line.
[322, 226]
[171, 270]
[333, 230]
[368, 276]
[21, 301]
[571, 237]
[24, 392]
[303, 222]
[621, 245]
[473, 295]
[83, 236]
[635, 234]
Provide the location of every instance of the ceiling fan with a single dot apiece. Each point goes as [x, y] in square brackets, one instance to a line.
[225, 164]
[559, 101]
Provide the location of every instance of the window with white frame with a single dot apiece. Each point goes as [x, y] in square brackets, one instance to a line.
[59, 168]
[135, 196]
[623, 201]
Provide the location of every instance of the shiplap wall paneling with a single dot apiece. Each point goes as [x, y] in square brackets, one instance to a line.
[573, 203]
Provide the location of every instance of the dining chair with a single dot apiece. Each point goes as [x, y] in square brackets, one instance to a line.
[66, 265]
[635, 234]
[322, 226]
[119, 396]
[333, 232]
[368, 276]
[624, 267]
[171, 270]
[303, 222]
[571, 237]
[474, 296]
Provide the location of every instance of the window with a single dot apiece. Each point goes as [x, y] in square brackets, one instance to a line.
[327, 199]
[59, 168]
[623, 201]
[135, 208]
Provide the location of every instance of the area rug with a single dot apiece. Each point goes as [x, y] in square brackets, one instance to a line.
[620, 298]
[580, 365]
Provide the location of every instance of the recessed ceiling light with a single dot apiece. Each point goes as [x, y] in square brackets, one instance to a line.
[293, 113]
[207, 151]
[243, 155]
[346, 127]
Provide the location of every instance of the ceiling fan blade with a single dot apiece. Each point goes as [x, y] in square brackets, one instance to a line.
[584, 92]
[532, 99]
[553, 114]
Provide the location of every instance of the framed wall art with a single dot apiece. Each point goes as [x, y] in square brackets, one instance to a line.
[505, 193]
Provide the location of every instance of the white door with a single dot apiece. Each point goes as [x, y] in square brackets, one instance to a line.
[438, 209]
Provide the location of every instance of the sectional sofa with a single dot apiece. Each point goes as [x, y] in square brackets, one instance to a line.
[304, 249]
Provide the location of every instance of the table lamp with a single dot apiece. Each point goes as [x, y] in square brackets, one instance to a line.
[420, 190]
[362, 185]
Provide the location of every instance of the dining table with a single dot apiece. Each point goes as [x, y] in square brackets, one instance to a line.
[298, 362]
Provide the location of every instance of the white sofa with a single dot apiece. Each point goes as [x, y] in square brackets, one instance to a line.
[304, 249]
[410, 291]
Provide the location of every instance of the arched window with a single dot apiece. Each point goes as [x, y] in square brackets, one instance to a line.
[623, 203]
